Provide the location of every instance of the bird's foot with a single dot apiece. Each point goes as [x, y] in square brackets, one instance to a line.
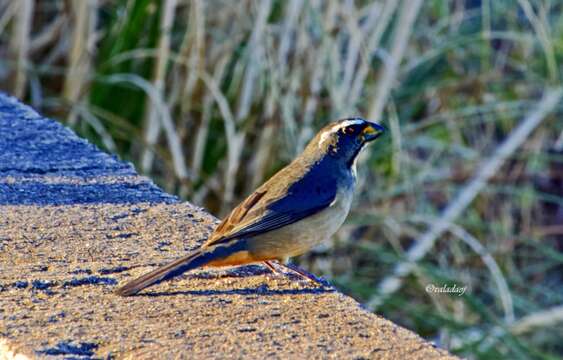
[295, 270]
[275, 274]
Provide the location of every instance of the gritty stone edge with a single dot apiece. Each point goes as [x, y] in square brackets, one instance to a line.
[12, 351]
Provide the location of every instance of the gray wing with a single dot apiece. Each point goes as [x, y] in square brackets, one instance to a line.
[312, 193]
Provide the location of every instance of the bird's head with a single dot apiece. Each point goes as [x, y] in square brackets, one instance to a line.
[343, 139]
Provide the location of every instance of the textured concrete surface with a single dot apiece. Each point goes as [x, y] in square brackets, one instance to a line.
[74, 222]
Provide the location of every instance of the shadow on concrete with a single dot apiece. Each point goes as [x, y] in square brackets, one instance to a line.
[39, 193]
[32, 147]
[243, 272]
[259, 290]
[234, 272]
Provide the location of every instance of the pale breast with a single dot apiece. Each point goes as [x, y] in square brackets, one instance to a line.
[299, 237]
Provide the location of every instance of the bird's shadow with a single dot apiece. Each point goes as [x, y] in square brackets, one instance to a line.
[263, 290]
[242, 272]
[236, 272]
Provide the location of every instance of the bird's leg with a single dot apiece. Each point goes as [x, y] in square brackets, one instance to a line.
[270, 266]
[275, 271]
[301, 273]
[293, 269]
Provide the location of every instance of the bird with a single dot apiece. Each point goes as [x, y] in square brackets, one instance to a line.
[299, 207]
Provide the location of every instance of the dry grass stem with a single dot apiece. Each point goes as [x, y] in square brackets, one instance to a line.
[81, 49]
[544, 38]
[549, 318]
[20, 43]
[401, 33]
[163, 113]
[159, 72]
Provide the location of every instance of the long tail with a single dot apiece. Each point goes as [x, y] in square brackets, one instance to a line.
[177, 267]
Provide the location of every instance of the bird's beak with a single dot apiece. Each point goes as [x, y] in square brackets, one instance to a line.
[372, 131]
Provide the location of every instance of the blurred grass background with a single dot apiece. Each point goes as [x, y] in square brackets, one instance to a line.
[210, 98]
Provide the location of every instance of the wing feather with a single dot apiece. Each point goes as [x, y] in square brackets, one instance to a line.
[239, 213]
[265, 210]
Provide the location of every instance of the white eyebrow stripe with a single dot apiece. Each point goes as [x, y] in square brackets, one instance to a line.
[335, 128]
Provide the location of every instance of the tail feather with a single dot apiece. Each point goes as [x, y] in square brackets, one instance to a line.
[177, 267]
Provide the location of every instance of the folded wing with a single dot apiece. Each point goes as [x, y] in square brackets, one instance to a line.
[265, 210]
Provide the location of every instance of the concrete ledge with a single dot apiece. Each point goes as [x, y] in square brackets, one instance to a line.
[75, 221]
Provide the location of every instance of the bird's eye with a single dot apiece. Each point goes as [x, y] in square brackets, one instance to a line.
[348, 130]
